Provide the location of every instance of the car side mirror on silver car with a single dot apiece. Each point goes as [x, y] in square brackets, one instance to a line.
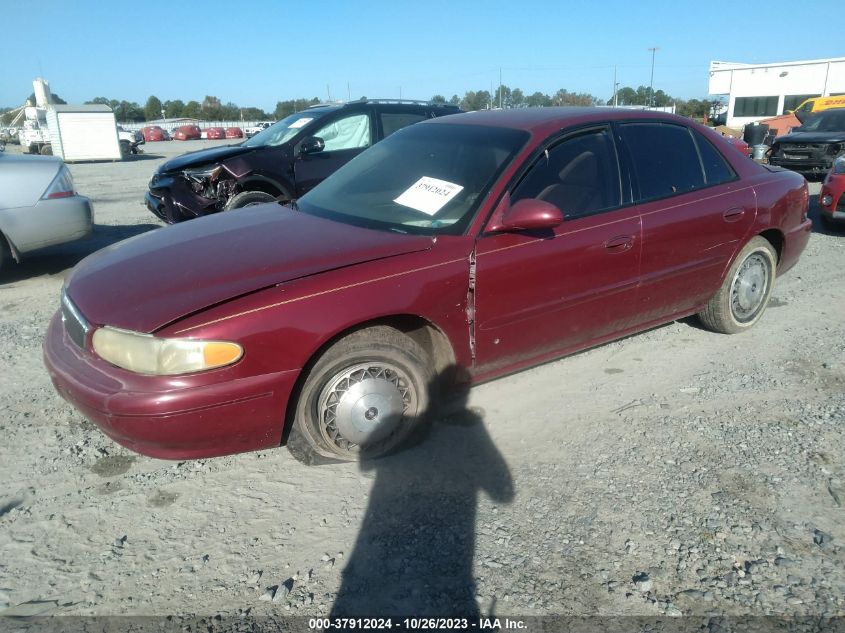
[311, 145]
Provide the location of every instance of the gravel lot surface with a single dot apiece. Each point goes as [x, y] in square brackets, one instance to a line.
[673, 472]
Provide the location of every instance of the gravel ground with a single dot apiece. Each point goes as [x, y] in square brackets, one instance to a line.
[676, 472]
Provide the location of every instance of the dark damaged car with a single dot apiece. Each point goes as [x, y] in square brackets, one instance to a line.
[281, 163]
[812, 148]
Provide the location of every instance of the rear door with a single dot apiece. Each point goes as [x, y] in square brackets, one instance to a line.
[540, 293]
[346, 135]
[694, 209]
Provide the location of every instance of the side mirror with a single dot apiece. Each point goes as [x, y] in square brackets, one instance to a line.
[311, 145]
[528, 214]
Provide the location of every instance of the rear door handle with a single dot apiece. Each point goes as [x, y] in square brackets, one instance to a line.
[619, 244]
[732, 215]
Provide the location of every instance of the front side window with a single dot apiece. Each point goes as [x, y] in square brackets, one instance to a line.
[351, 132]
[664, 157]
[425, 178]
[579, 175]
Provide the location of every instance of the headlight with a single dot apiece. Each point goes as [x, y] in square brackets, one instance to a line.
[148, 354]
[839, 165]
[203, 173]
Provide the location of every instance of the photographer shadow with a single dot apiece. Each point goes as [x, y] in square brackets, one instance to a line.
[414, 553]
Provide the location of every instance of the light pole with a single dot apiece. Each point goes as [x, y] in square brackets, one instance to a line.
[653, 50]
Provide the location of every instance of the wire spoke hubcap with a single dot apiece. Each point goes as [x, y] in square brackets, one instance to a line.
[750, 287]
[364, 405]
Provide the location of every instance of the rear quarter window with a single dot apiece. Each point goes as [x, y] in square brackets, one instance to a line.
[716, 167]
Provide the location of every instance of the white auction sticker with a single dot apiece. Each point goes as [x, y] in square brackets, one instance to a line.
[428, 195]
[300, 122]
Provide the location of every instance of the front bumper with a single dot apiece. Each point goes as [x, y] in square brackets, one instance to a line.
[835, 211]
[815, 166]
[160, 416]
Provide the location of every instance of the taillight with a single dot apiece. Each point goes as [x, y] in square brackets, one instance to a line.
[61, 187]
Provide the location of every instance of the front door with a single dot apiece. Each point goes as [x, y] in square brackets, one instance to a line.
[541, 294]
[344, 137]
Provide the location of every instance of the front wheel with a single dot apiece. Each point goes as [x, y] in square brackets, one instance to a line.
[744, 294]
[248, 199]
[363, 397]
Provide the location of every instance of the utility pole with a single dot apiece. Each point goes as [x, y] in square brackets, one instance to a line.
[500, 87]
[653, 50]
[348, 92]
[328, 92]
[615, 87]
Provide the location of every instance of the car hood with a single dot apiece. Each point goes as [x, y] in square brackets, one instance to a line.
[203, 157]
[151, 280]
[812, 137]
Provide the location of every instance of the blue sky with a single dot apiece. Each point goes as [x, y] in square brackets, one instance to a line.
[259, 52]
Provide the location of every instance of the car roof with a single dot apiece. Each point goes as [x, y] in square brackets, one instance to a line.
[547, 120]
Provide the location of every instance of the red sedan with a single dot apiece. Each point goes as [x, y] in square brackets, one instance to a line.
[153, 133]
[234, 132]
[215, 133]
[187, 133]
[457, 250]
[832, 197]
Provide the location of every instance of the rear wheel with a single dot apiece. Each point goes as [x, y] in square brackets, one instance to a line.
[125, 148]
[46, 150]
[744, 294]
[249, 199]
[363, 397]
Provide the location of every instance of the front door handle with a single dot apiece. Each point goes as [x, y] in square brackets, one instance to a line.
[619, 244]
[732, 215]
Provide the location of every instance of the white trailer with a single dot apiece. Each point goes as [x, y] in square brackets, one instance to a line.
[83, 132]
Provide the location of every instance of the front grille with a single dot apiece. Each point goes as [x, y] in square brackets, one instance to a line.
[75, 324]
[802, 151]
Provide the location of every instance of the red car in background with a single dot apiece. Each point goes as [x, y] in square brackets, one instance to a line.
[234, 132]
[457, 250]
[832, 197]
[153, 133]
[215, 133]
[187, 133]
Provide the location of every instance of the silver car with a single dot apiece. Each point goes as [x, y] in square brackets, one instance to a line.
[38, 205]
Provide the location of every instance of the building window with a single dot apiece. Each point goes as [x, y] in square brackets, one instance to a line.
[755, 106]
[790, 102]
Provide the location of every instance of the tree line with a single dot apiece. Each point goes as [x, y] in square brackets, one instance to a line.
[211, 108]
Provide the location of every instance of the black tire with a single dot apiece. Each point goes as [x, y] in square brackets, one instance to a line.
[125, 148]
[349, 405]
[46, 150]
[5, 253]
[745, 292]
[248, 199]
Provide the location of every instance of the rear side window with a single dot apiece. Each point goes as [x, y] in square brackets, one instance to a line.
[393, 121]
[716, 168]
[665, 159]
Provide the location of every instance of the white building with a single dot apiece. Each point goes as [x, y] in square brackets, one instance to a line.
[758, 91]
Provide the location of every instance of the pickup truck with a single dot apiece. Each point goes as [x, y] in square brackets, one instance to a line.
[255, 129]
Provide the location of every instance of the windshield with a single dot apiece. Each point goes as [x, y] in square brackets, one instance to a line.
[426, 178]
[830, 121]
[286, 129]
